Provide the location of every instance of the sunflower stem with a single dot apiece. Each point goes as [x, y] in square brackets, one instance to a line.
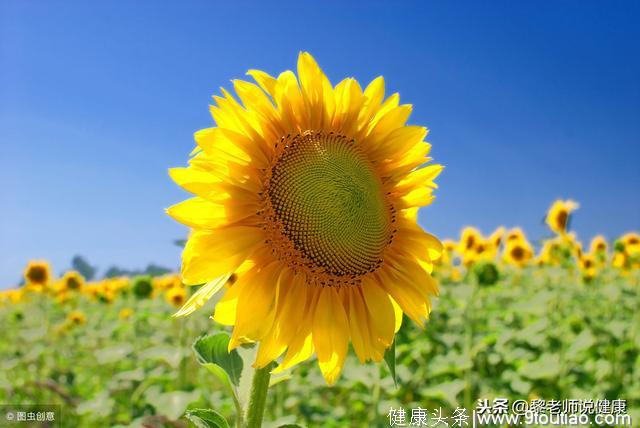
[468, 329]
[258, 396]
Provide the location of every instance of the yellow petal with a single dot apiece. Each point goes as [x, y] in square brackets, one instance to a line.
[420, 177]
[291, 106]
[225, 311]
[381, 314]
[412, 239]
[257, 301]
[359, 325]
[388, 105]
[292, 302]
[211, 254]
[373, 94]
[410, 296]
[330, 334]
[201, 296]
[229, 114]
[217, 143]
[390, 121]
[199, 213]
[316, 90]
[266, 81]
[396, 143]
[300, 349]
[420, 197]
[398, 314]
[193, 180]
[349, 99]
[259, 104]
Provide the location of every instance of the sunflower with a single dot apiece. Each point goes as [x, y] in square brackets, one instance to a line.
[469, 239]
[125, 313]
[72, 281]
[588, 266]
[518, 253]
[449, 249]
[497, 237]
[37, 275]
[627, 252]
[166, 282]
[631, 243]
[549, 254]
[105, 291]
[11, 296]
[76, 318]
[176, 296]
[571, 242]
[559, 215]
[515, 234]
[598, 245]
[63, 296]
[309, 192]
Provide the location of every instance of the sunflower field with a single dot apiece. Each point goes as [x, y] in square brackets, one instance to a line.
[509, 322]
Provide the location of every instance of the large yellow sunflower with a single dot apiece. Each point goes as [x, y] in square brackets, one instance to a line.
[308, 195]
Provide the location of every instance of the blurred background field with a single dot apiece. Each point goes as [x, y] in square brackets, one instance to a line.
[110, 353]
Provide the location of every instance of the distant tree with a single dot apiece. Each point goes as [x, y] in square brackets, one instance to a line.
[114, 272]
[82, 266]
[151, 270]
[155, 270]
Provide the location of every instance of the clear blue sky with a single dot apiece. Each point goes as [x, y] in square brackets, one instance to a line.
[526, 102]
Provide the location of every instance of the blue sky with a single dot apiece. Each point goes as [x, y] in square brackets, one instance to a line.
[526, 102]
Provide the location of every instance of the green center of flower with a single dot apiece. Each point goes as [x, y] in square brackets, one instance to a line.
[330, 204]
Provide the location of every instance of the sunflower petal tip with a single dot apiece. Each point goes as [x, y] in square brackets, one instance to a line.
[233, 343]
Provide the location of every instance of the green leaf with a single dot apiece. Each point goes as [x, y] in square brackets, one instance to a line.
[113, 354]
[291, 426]
[171, 404]
[276, 379]
[100, 405]
[545, 367]
[447, 391]
[212, 349]
[390, 359]
[206, 418]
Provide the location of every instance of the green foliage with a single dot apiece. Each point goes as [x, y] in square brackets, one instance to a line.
[141, 286]
[206, 418]
[390, 359]
[486, 273]
[212, 349]
[537, 332]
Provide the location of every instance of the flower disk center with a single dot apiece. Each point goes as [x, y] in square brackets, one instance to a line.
[329, 203]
